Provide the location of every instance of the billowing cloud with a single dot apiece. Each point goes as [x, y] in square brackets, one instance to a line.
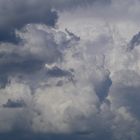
[16, 14]
[79, 79]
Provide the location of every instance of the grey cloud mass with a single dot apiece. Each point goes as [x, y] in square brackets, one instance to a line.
[78, 78]
[16, 14]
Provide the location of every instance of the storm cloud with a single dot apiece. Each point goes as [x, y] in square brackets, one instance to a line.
[69, 70]
[17, 13]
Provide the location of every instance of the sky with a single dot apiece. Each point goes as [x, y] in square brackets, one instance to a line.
[69, 70]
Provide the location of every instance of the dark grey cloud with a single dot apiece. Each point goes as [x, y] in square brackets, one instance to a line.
[32, 136]
[135, 41]
[14, 104]
[19, 59]
[25, 66]
[14, 64]
[16, 14]
[103, 88]
[57, 72]
[22, 13]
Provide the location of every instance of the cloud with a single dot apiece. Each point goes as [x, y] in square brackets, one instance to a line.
[19, 13]
[57, 88]
[68, 86]
[134, 41]
[76, 81]
[14, 104]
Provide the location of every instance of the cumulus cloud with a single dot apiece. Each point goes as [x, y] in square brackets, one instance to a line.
[74, 81]
[47, 77]
[16, 14]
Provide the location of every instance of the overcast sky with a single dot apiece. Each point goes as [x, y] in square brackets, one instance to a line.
[69, 70]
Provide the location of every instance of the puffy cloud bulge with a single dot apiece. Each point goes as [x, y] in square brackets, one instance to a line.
[17, 13]
[77, 83]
